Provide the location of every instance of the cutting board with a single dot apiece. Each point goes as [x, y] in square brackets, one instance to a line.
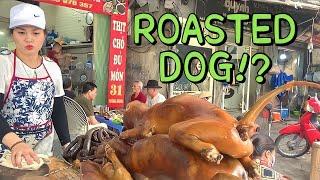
[58, 168]
[8, 173]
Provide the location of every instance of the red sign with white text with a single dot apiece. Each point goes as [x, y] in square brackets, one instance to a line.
[117, 59]
[96, 6]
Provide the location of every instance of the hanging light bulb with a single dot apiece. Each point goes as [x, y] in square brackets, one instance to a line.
[283, 56]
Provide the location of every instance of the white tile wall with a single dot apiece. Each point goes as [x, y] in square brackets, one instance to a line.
[70, 23]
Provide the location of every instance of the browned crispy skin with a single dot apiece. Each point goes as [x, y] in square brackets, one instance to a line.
[158, 156]
[114, 170]
[91, 170]
[205, 128]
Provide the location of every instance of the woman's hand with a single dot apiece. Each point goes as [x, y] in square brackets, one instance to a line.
[23, 150]
[19, 150]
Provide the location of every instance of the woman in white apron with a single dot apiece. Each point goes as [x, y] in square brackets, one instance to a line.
[31, 90]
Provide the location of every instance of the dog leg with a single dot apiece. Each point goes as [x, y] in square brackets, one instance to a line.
[208, 151]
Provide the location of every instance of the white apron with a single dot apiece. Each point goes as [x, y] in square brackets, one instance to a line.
[28, 107]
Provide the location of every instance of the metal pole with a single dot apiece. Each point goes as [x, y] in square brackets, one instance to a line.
[171, 68]
[222, 101]
[248, 79]
[315, 161]
[223, 92]
[242, 100]
[243, 97]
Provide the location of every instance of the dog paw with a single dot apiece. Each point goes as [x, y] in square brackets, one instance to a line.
[123, 135]
[212, 155]
[109, 150]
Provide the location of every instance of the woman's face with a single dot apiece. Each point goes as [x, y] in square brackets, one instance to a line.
[28, 39]
[270, 157]
[136, 88]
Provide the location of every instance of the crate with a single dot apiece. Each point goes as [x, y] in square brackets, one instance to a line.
[276, 116]
[114, 127]
[111, 126]
[283, 113]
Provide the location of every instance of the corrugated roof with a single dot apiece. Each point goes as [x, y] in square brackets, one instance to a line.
[304, 4]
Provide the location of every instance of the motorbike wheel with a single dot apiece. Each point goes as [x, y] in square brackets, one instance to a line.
[291, 141]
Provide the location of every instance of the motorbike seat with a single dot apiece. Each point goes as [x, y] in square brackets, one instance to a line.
[315, 121]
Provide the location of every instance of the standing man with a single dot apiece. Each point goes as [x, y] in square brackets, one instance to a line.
[137, 92]
[154, 96]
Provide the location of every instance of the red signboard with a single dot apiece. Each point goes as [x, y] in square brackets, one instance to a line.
[117, 59]
[96, 6]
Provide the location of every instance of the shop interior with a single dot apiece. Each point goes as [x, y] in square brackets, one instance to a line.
[72, 27]
[287, 66]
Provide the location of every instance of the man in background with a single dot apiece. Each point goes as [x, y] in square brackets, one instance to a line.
[89, 93]
[154, 96]
[137, 92]
[62, 59]
[56, 52]
[67, 86]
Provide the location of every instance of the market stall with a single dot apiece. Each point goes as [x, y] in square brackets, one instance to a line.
[69, 42]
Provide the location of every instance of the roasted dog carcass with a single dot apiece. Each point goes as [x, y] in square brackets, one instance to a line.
[158, 156]
[155, 157]
[205, 128]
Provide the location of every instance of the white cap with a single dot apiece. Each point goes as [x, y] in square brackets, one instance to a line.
[27, 14]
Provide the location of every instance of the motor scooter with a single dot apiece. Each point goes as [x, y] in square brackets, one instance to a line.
[295, 139]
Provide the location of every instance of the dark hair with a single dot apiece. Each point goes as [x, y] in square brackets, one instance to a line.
[88, 86]
[261, 143]
[66, 82]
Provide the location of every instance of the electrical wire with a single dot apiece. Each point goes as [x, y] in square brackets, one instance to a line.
[176, 7]
[302, 33]
[299, 24]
